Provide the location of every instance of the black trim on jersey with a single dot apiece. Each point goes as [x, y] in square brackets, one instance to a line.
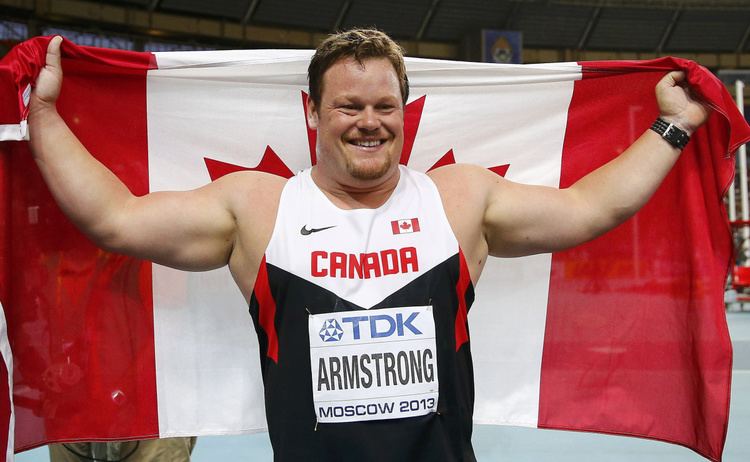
[295, 434]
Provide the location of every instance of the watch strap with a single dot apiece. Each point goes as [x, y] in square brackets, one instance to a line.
[674, 135]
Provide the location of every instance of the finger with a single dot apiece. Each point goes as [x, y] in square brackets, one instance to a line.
[52, 59]
[676, 78]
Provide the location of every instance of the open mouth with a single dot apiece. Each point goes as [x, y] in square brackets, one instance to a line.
[367, 143]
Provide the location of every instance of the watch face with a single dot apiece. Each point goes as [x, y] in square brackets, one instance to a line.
[676, 136]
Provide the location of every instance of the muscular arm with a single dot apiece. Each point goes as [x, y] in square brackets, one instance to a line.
[502, 218]
[521, 220]
[189, 230]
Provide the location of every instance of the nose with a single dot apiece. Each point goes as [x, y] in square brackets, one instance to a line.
[368, 119]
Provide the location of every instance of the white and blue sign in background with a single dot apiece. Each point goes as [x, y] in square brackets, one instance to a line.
[372, 365]
[501, 46]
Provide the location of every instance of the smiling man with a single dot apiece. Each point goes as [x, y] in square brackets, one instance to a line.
[358, 272]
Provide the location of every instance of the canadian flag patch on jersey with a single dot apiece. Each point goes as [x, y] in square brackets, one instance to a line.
[410, 225]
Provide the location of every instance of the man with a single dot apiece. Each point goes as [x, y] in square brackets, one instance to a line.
[333, 262]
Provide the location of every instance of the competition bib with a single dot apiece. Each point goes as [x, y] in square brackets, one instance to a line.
[372, 365]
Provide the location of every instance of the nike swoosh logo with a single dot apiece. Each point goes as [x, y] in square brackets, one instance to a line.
[306, 232]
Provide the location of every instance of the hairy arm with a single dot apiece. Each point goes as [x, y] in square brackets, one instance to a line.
[189, 230]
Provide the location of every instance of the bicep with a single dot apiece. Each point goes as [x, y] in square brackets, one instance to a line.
[529, 219]
[191, 230]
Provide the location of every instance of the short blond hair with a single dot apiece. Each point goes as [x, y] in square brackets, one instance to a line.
[360, 44]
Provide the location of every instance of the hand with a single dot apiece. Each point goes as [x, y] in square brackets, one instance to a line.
[49, 81]
[676, 103]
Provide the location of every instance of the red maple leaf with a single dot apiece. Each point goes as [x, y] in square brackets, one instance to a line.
[412, 117]
[405, 225]
[269, 163]
[272, 163]
[448, 159]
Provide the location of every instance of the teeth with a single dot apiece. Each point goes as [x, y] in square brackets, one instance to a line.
[367, 144]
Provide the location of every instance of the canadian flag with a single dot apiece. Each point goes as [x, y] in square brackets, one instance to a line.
[625, 334]
[410, 225]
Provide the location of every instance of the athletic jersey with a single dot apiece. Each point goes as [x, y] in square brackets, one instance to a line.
[361, 320]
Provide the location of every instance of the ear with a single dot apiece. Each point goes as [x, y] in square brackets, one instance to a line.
[312, 114]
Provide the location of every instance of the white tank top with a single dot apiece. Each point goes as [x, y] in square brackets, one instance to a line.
[361, 255]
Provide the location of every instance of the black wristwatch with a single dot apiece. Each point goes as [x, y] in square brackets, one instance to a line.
[674, 135]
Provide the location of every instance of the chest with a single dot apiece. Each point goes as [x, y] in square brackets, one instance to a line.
[360, 254]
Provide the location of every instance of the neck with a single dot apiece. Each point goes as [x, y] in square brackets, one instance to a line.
[356, 194]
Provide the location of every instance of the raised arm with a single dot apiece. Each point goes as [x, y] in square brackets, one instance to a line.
[521, 219]
[502, 218]
[189, 230]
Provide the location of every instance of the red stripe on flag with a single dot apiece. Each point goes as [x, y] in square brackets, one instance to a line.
[267, 311]
[81, 319]
[5, 409]
[8, 115]
[464, 280]
[5, 243]
[636, 342]
[395, 228]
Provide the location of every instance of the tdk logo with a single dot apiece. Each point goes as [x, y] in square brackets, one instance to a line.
[382, 325]
[331, 331]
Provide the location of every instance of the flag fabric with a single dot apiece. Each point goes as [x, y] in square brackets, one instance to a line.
[625, 334]
[6, 393]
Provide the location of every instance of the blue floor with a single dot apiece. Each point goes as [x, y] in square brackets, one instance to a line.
[493, 443]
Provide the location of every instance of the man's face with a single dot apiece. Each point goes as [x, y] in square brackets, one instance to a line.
[360, 120]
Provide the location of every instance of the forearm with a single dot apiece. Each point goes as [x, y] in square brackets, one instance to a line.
[86, 191]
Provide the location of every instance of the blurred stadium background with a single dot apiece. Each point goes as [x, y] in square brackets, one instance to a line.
[716, 33]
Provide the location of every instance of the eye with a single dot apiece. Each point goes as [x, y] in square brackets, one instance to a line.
[348, 108]
[385, 108]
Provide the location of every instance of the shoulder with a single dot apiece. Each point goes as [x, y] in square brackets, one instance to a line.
[455, 172]
[249, 192]
[464, 181]
[249, 180]
[464, 190]
[238, 184]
